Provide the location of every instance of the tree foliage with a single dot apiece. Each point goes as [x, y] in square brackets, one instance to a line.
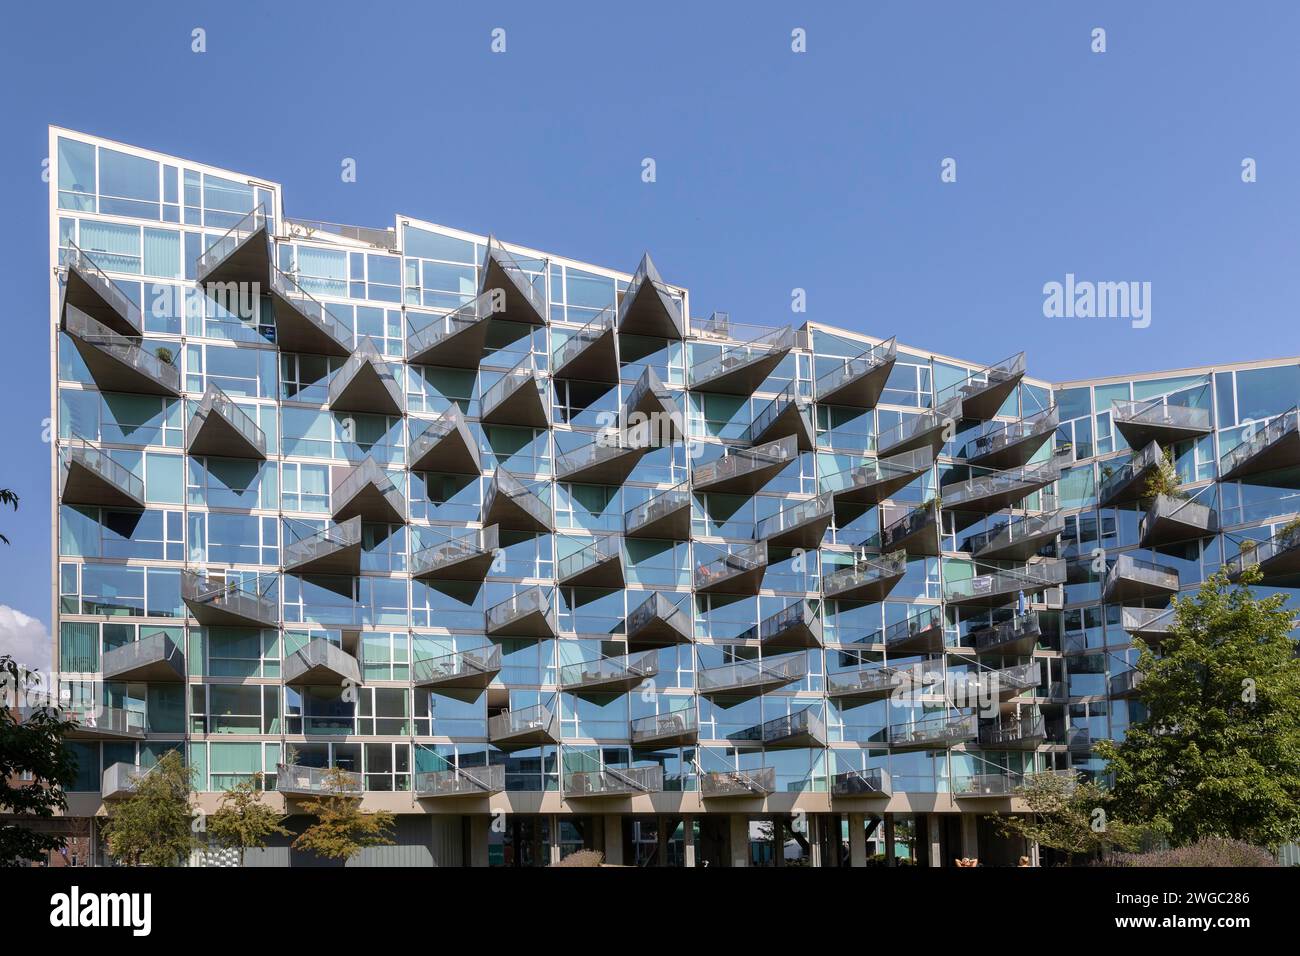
[342, 829]
[154, 826]
[1070, 814]
[1164, 480]
[242, 821]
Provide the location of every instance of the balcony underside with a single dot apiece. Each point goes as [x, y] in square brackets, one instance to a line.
[792, 419]
[1008, 642]
[746, 482]
[218, 613]
[870, 487]
[1185, 522]
[597, 361]
[80, 484]
[926, 638]
[538, 622]
[367, 390]
[802, 630]
[340, 553]
[871, 590]
[862, 390]
[509, 514]
[104, 730]
[1139, 432]
[982, 400]
[742, 376]
[1009, 546]
[1281, 569]
[217, 437]
[370, 503]
[321, 674]
[467, 670]
[671, 524]
[544, 732]
[1124, 588]
[611, 467]
[451, 453]
[248, 261]
[669, 730]
[1276, 463]
[807, 534]
[917, 537]
[605, 572]
[462, 348]
[165, 667]
[662, 625]
[519, 306]
[741, 581]
[1013, 454]
[927, 436]
[465, 566]
[523, 406]
[297, 331]
[650, 312]
[111, 367]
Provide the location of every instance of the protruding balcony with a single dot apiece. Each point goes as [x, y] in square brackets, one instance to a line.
[519, 397]
[878, 478]
[294, 780]
[366, 383]
[335, 549]
[658, 622]
[752, 678]
[120, 780]
[666, 515]
[1131, 578]
[760, 782]
[524, 291]
[530, 727]
[915, 532]
[1010, 638]
[872, 682]
[1155, 420]
[984, 392]
[366, 490]
[795, 625]
[118, 363]
[88, 289]
[589, 354]
[1169, 519]
[471, 669]
[467, 556]
[1128, 482]
[988, 786]
[1271, 448]
[934, 733]
[787, 414]
[606, 461]
[1278, 558]
[676, 728]
[1023, 734]
[858, 382]
[874, 782]
[599, 564]
[446, 445]
[222, 429]
[1151, 624]
[1004, 445]
[529, 613]
[803, 728]
[241, 255]
[652, 402]
[230, 603]
[867, 579]
[741, 369]
[1124, 685]
[304, 325]
[1006, 683]
[609, 675]
[996, 586]
[613, 783]
[461, 782]
[321, 662]
[88, 476]
[926, 430]
[453, 340]
[802, 525]
[745, 470]
[735, 569]
[509, 504]
[918, 633]
[155, 659]
[986, 494]
[105, 723]
[1019, 539]
[649, 307]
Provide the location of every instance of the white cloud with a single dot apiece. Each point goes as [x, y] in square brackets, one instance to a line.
[25, 639]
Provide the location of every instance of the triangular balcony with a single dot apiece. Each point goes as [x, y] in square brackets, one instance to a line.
[1124, 685]
[88, 476]
[609, 675]
[117, 363]
[650, 404]
[934, 733]
[509, 504]
[990, 493]
[928, 430]
[745, 470]
[599, 564]
[467, 556]
[988, 786]
[803, 728]
[666, 515]
[1002, 445]
[366, 490]
[446, 445]
[994, 585]
[874, 782]
[524, 291]
[155, 659]
[864, 684]
[741, 369]
[518, 397]
[297, 781]
[1263, 451]
[366, 383]
[1131, 578]
[1007, 683]
[303, 324]
[1019, 539]
[676, 728]
[867, 579]
[1010, 638]
[918, 633]
[984, 392]
[1169, 519]
[230, 603]
[802, 525]
[528, 613]
[473, 669]
[858, 382]
[241, 255]
[88, 289]
[795, 625]
[335, 549]
[1278, 558]
[915, 531]
[751, 678]
[878, 478]
[612, 782]
[1151, 624]
[589, 354]
[649, 307]
[606, 461]
[96, 722]
[1155, 420]
[529, 727]
[322, 663]
[758, 783]
[1128, 482]
[658, 622]
[461, 782]
[451, 340]
[220, 428]
[734, 569]
[121, 779]
[787, 414]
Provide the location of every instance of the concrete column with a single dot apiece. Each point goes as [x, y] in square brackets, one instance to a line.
[555, 839]
[889, 839]
[935, 839]
[1033, 854]
[969, 836]
[857, 840]
[480, 827]
[815, 841]
[612, 824]
[739, 833]
[661, 827]
[688, 840]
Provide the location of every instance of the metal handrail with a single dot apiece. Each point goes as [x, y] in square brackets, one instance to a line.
[860, 365]
[1275, 429]
[128, 351]
[97, 460]
[73, 256]
[230, 240]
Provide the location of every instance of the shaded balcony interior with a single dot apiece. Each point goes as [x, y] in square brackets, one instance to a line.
[733, 569]
[118, 363]
[89, 476]
[233, 601]
[446, 445]
[455, 339]
[334, 549]
[741, 369]
[510, 504]
[89, 290]
[665, 515]
[745, 470]
[527, 613]
[221, 429]
[464, 556]
[867, 579]
[522, 281]
[649, 306]
[598, 563]
[367, 382]
[474, 669]
[322, 662]
[659, 621]
[857, 382]
[589, 354]
[787, 414]
[367, 490]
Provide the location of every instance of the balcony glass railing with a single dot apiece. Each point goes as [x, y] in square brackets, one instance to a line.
[1026, 479]
[1148, 620]
[646, 274]
[461, 781]
[508, 486]
[323, 781]
[125, 350]
[526, 374]
[366, 354]
[675, 723]
[657, 607]
[318, 653]
[1008, 370]
[606, 547]
[734, 783]
[804, 512]
[850, 369]
[1006, 733]
[1165, 412]
[531, 285]
[368, 472]
[998, 436]
[1255, 442]
[476, 662]
[915, 426]
[307, 306]
[934, 731]
[996, 582]
[215, 401]
[579, 341]
[660, 505]
[734, 561]
[892, 471]
[775, 408]
[1027, 527]
[86, 455]
[529, 601]
[156, 648]
[1284, 541]
[864, 572]
[469, 544]
[611, 781]
[440, 328]
[528, 720]
[900, 632]
[743, 674]
[1140, 571]
[1021, 627]
[251, 600]
[605, 670]
[743, 461]
[1120, 478]
[801, 723]
[73, 256]
[370, 235]
[857, 783]
[231, 240]
[608, 447]
[318, 544]
[737, 356]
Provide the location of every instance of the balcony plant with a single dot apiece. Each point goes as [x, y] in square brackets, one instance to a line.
[1164, 480]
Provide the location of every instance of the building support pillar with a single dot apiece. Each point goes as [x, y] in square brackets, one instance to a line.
[554, 829]
[934, 837]
[739, 839]
[970, 846]
[688, 840]
[857, 840]
[480, 830]
[889, 840]
[612, 826]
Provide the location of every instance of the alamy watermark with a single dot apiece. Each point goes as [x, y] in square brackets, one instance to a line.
[1084, 299]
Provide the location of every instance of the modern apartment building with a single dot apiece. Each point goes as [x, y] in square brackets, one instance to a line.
[544, 562]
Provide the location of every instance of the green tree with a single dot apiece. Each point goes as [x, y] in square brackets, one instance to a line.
[1070, 814]
[242, 821]
[1218, 750]
[30, 745]
[1164, 480]
[154, 826]
[342, 829]
[7, 497]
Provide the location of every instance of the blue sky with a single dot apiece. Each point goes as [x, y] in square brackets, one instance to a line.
[774, 170]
